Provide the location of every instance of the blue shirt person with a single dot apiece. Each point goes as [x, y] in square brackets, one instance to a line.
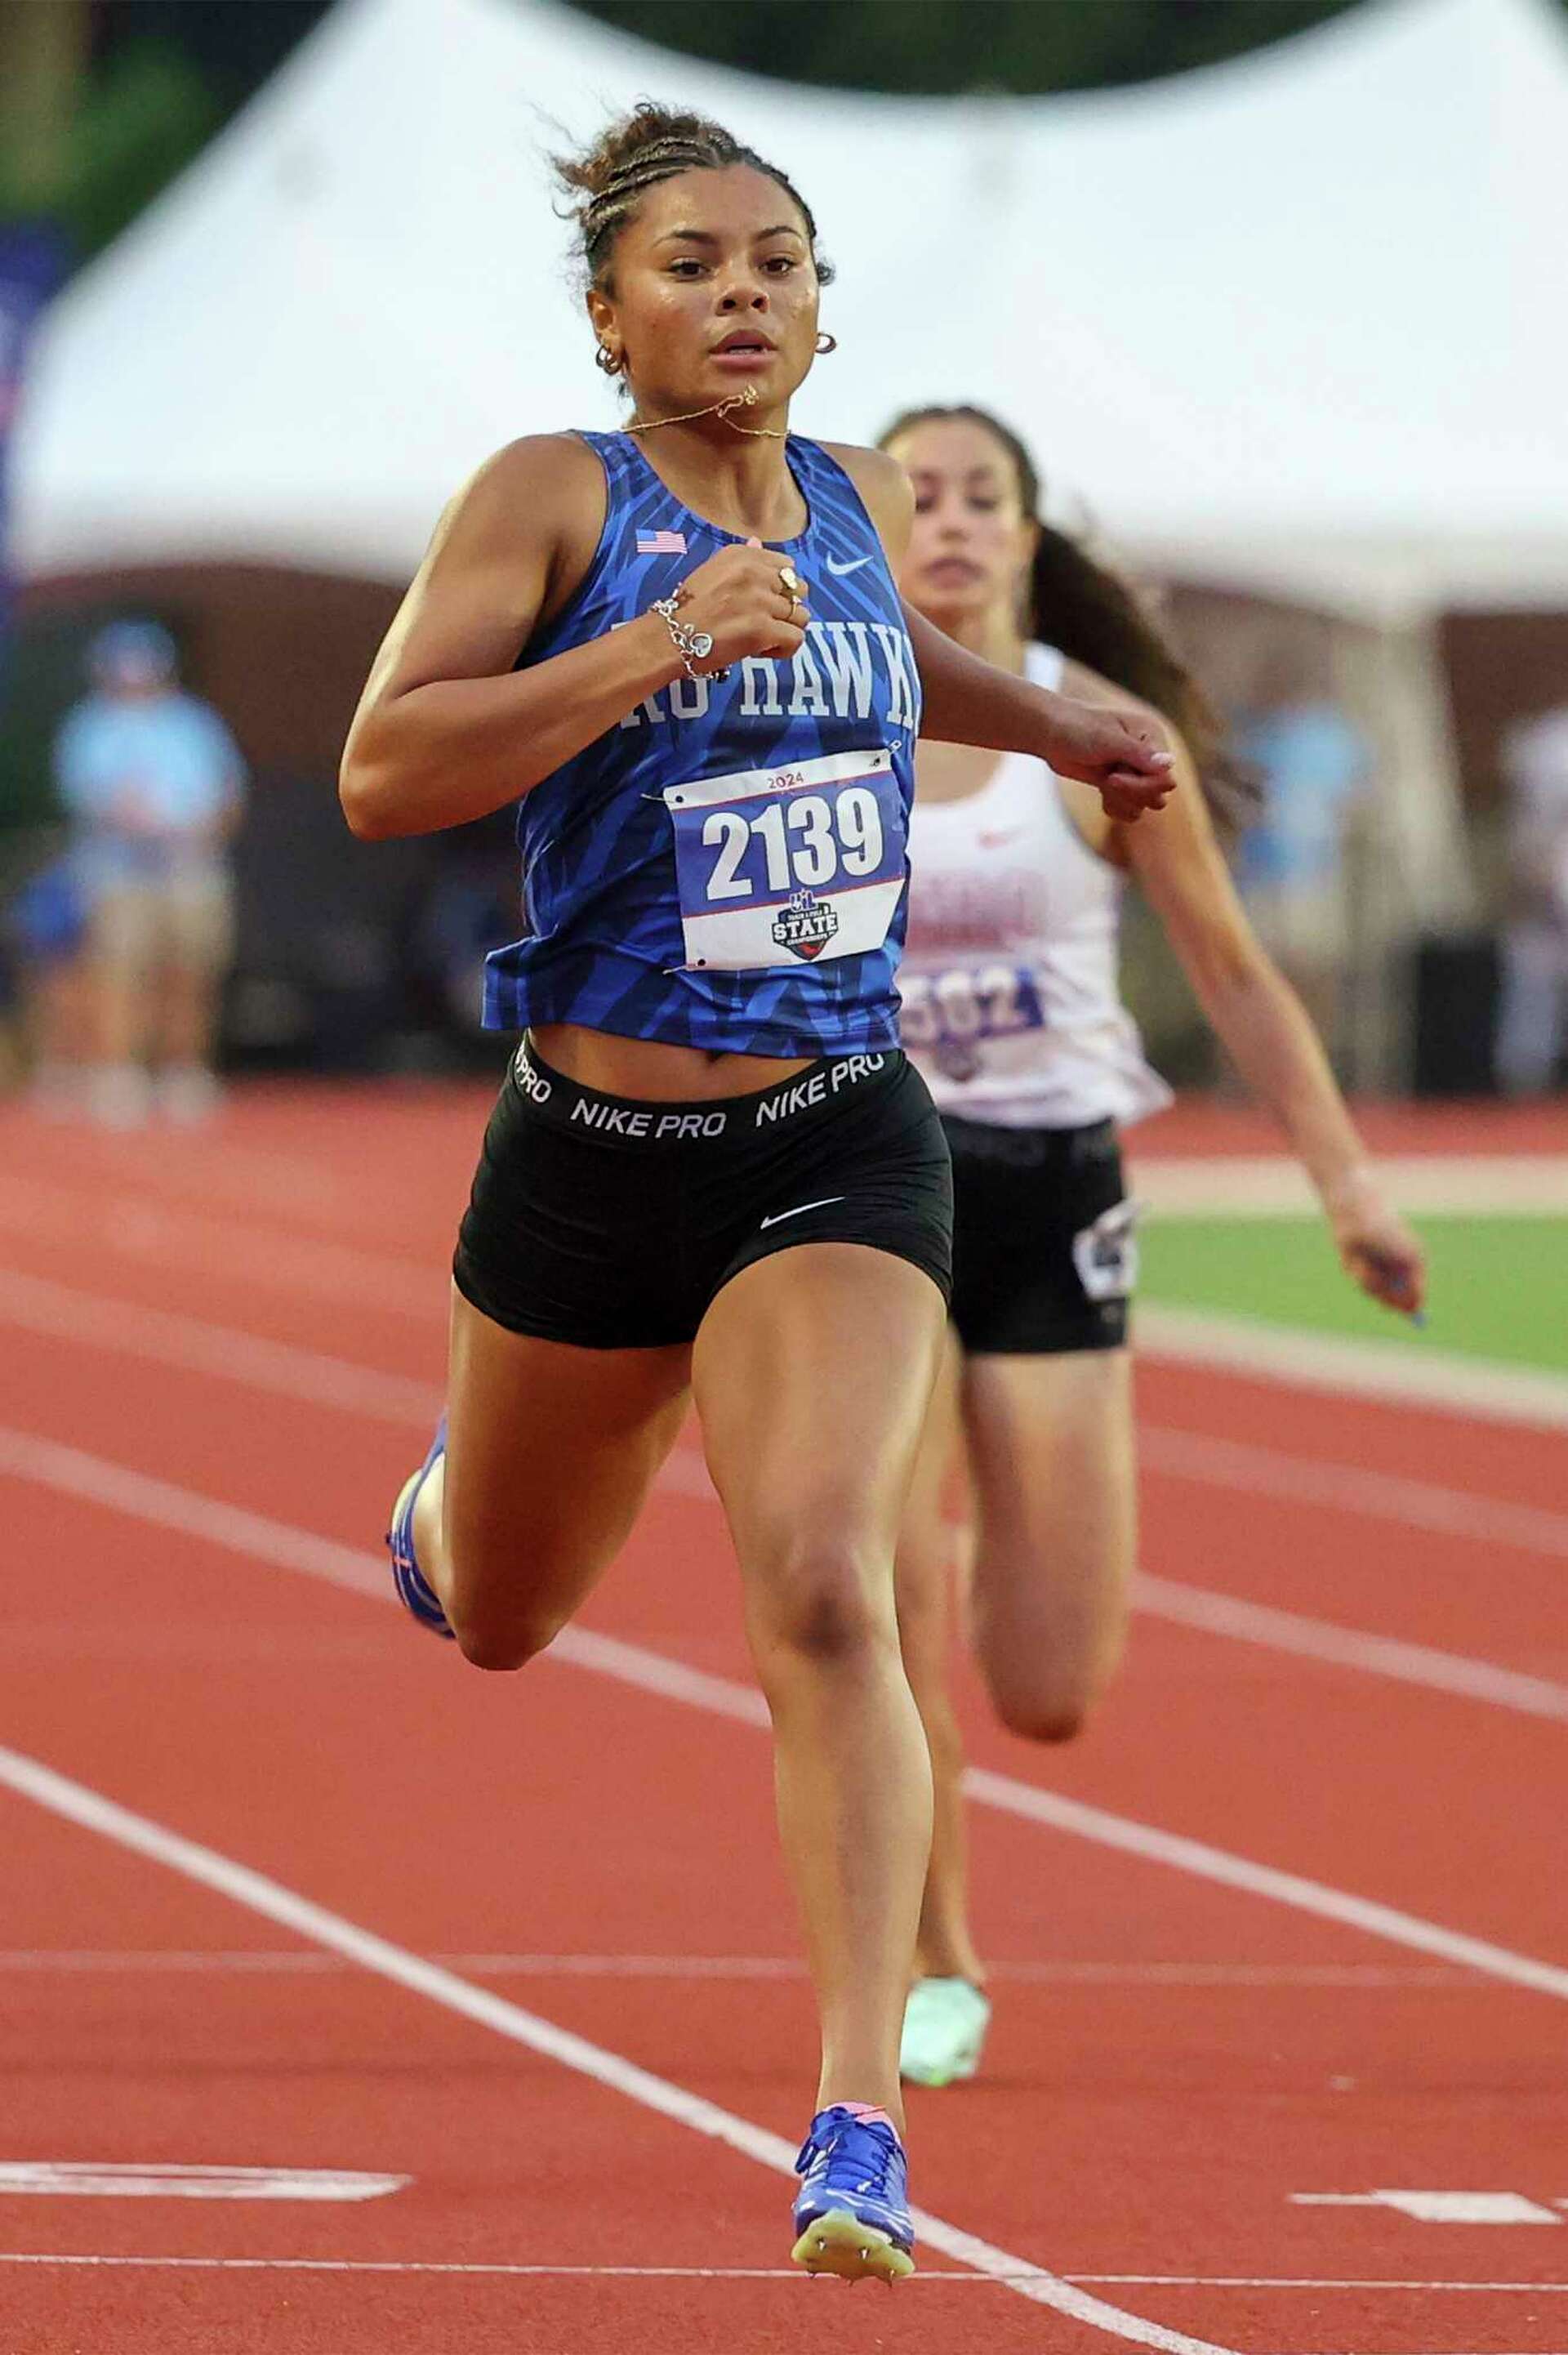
[149, 775]
[152, 781]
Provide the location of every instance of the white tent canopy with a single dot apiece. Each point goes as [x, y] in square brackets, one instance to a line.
[1295, 323]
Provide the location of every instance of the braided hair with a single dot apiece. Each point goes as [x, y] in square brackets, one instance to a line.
[1097, 619]
[603, 187]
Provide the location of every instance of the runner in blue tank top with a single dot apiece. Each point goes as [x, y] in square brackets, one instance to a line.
[710, 1177]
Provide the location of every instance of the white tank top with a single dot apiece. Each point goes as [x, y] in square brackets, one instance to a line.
[1009, 978]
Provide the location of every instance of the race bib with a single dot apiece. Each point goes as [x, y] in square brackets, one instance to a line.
[788, 866]
[960, 1009]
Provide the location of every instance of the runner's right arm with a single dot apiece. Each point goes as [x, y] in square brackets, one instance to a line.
[446, 729]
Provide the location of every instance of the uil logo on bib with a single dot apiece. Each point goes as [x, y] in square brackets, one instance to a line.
[807, 924]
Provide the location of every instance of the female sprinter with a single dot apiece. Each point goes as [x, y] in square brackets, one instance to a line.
[1011, 1012]
[710, 1170]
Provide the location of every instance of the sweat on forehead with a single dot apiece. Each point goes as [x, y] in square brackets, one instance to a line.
[709, 204]
[710, 208]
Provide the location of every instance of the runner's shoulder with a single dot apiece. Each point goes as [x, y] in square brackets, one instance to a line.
[885, 489]
[543, 493]
[537, 475]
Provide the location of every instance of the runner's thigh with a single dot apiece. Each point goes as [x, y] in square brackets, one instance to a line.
[551, 1450]
[1054, 1486]
[812, 1371]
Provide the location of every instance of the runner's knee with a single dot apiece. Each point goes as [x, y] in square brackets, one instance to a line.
[818, 1601]
[498, 1644]
[1045, 1702]
[498, 1622]
[1050, 1721]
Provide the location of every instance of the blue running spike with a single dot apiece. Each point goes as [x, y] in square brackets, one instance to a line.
[414, 1592]
[852, 2212]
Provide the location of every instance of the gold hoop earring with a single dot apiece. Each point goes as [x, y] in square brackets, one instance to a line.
[826, 344]
[609, 363]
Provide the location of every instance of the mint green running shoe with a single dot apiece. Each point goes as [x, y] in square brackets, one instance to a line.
[945, 2021]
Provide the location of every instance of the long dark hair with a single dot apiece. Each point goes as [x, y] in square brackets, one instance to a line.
[1096, 618]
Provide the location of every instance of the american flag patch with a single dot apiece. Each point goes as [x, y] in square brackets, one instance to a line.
[661, 543]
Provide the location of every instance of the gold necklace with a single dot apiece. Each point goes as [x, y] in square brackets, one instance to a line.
[746, 398]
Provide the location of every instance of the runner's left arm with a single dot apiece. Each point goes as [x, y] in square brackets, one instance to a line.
[1270, 1039]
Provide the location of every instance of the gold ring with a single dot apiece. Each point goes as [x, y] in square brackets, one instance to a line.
[789, 617]
[790, 580]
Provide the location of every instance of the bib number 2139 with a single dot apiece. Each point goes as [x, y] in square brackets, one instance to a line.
[782, 867]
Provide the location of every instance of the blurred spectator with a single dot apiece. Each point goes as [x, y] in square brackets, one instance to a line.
[1533, 1008]
[45, 935]
[1314, 765]
[153, 783]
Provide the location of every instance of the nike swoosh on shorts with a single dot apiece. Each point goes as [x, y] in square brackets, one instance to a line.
[799, 1209]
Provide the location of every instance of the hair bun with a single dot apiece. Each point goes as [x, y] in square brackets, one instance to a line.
[620, 144]
[603, 186]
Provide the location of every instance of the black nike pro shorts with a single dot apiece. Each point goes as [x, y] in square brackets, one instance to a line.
[612, 1224]
[1044, 1253]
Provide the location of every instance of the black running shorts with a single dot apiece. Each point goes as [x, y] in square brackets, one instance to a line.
[612, 1223]
[1044, 1258]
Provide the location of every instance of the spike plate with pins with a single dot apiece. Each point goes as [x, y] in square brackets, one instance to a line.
[840, 2243]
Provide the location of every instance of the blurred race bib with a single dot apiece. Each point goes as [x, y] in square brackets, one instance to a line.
[950, 1015]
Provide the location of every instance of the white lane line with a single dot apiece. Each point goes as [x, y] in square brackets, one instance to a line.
[1269, 1185]
[74, 1473]
[1216, 1613]
[1217, 1864]
[455, 2266]
[1272, 1186]
[1303, 2281]
[653, 1672]
[1349, 1647]
[1396, 1371]
[1488, 2207]
[34, 2178]
[62, 1312]
[286, 1963]
[1348, 1487]
[164, 1506]
[194, 1346]
[76, 1803]
[283, 1962]
[929, 2274]
[143, 1230]
[1400, 1371]
[307, 1375]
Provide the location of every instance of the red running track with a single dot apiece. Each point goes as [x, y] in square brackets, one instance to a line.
[1184, 2066]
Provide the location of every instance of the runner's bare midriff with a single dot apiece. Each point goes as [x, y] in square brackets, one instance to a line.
[647, 1067]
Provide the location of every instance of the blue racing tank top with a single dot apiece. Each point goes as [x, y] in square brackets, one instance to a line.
[725, 867]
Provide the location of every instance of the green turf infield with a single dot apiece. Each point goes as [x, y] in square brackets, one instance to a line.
[1498, 1286]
